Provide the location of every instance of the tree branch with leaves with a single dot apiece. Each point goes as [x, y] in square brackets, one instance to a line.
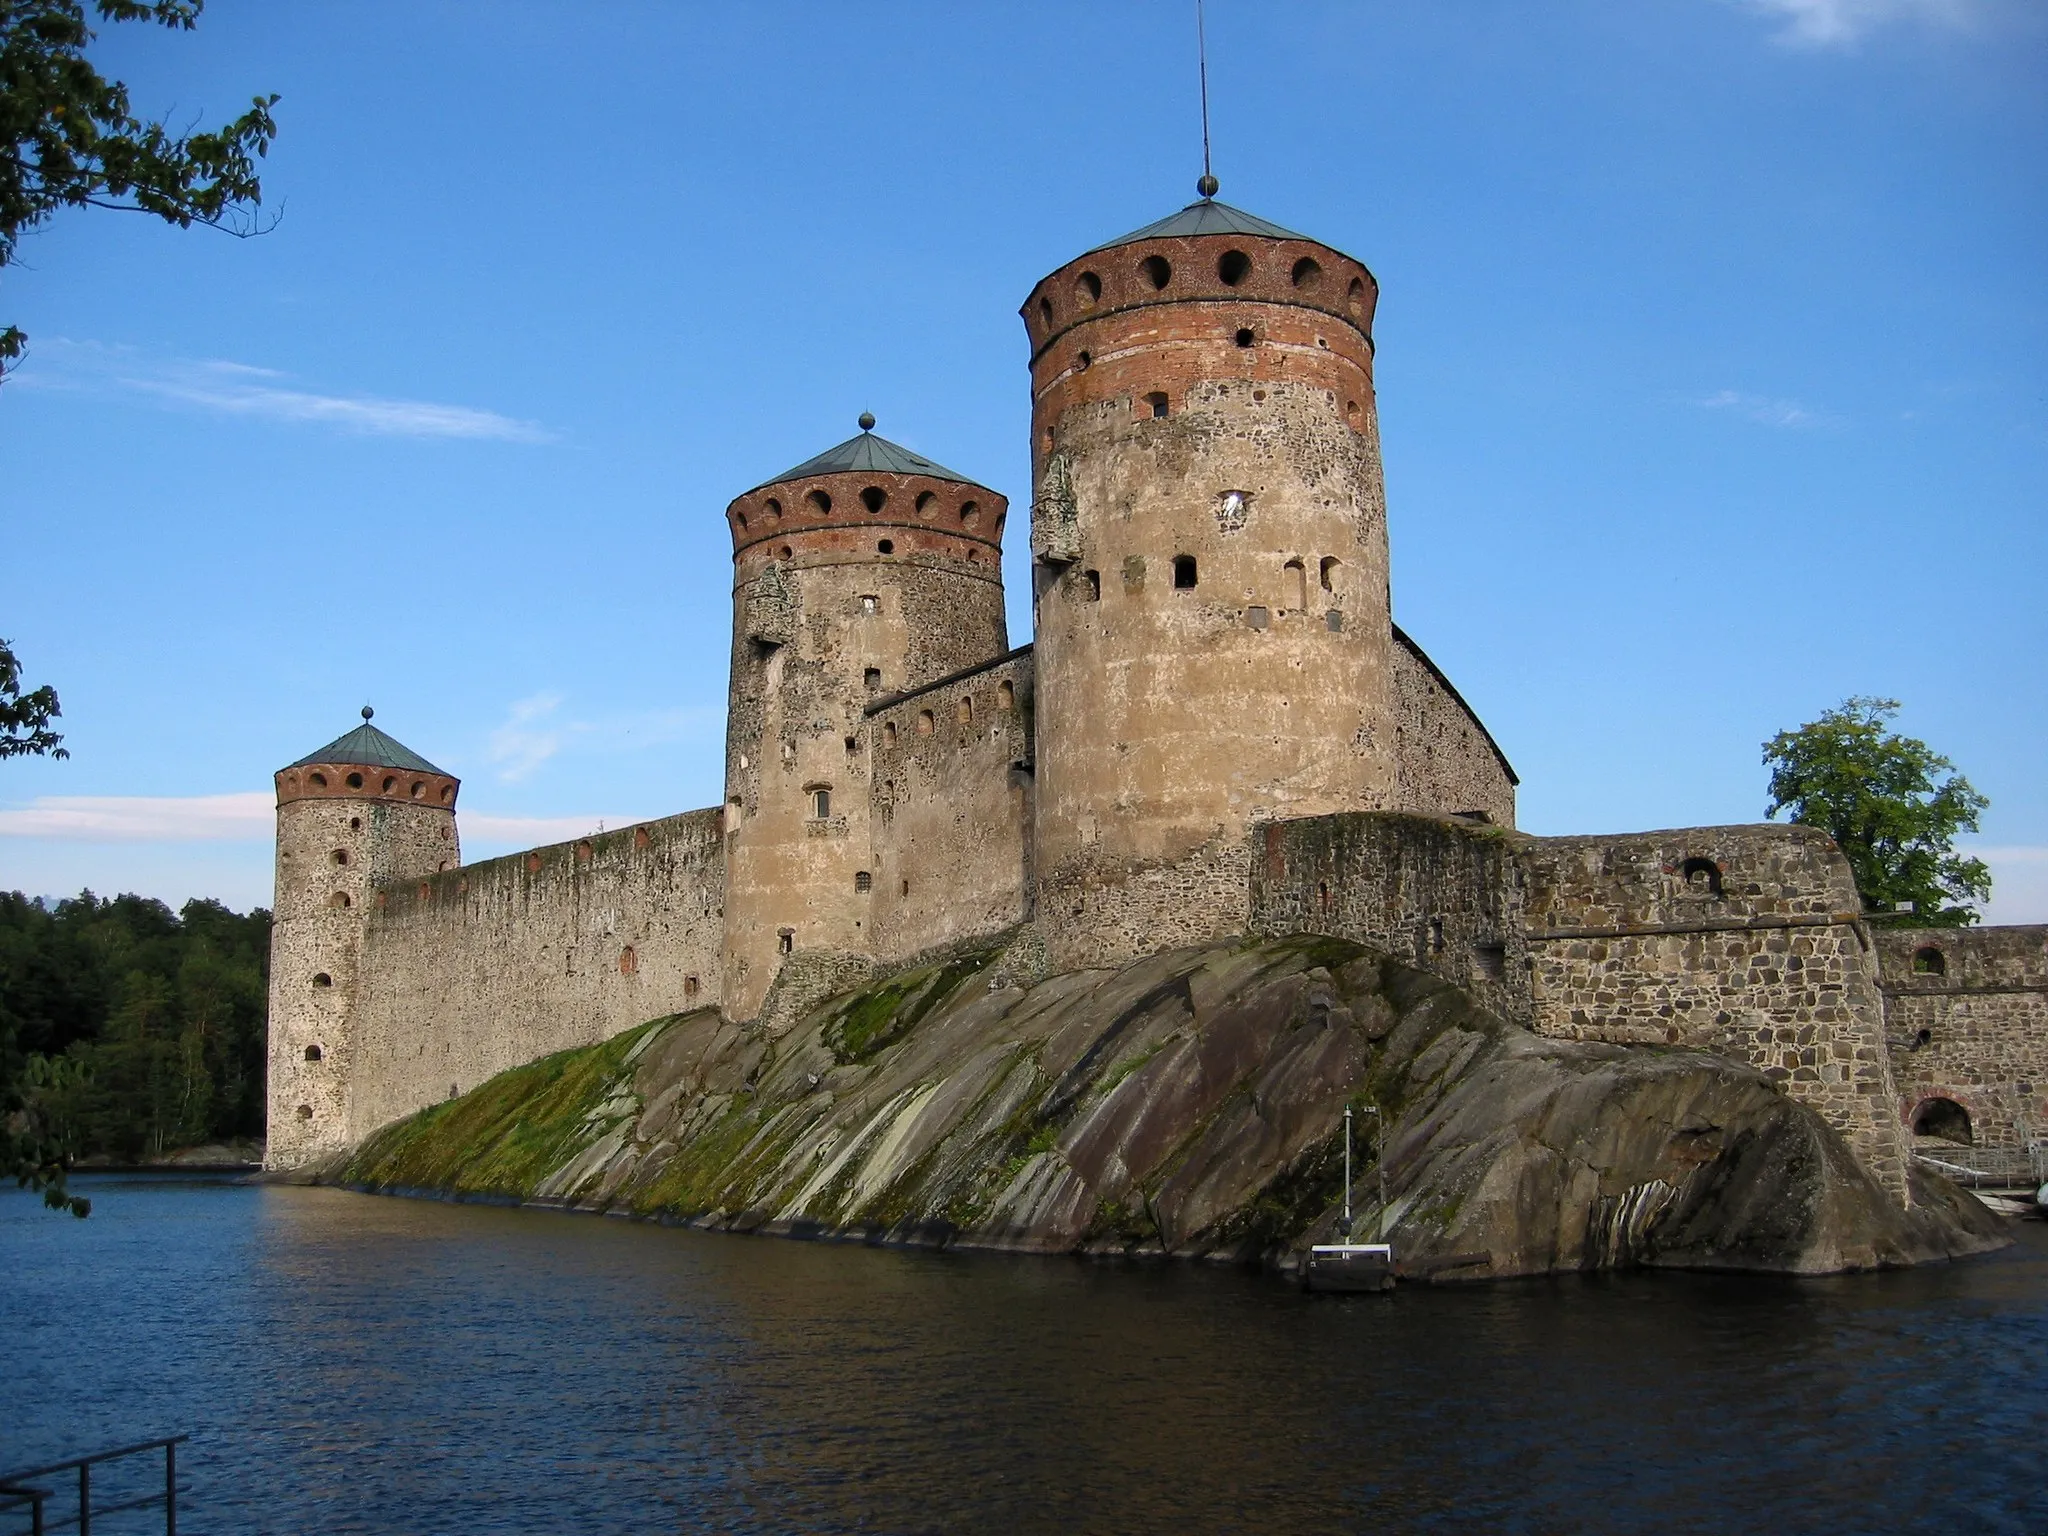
[70, 139]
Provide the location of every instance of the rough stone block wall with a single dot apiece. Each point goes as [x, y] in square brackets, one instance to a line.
[1442, 895]
[1098, 910]
[1966, 1015]
[1744, 940]
[950, 811]
[470, 971]
[1446, 761]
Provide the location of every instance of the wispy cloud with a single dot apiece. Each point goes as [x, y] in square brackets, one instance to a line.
[144, 818]
[528, 738]
[240, 389]
[1839, 23]
[1764, 410]
[536, 729]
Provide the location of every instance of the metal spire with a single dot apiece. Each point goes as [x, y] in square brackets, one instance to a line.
[1208, 186]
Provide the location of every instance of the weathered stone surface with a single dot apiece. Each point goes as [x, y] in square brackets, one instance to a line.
[1192, 1104]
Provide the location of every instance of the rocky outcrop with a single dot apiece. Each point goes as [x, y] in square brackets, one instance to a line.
[1190, 1104]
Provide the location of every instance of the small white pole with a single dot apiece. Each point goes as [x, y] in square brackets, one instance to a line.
[1347, 1173]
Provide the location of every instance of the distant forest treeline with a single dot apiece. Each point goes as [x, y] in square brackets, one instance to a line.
[160, 1013]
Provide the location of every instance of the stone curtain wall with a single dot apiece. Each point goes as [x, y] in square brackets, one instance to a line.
[1444, 896]
[950, 813]
[470, 971]
[1446, 760]
[1740, 940]
[1744, 940]
[1969, 1023]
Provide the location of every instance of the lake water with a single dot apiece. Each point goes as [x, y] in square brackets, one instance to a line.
[350, 1363]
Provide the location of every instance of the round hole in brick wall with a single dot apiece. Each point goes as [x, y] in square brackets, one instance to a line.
[1245, 337]
[339, 901]
[388, 785]
[787, 552]
[1308, 272]
[1087, 288]
[924, 503]
[340, 855]
[305, 1111]
[970, 513]
[887, 546]
[355, 823]
[1233, 268]
[355, 781]
[1083, 362]
[820, 503]
[447, 793]
[322, 979]
[874, 498]
[312, 1053]
[417, 790]
[317, 780]
[1157, 270]
[773, 508]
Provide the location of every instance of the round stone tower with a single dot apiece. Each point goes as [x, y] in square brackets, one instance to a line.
[1210, 557]
[361, 811]
[863, 572]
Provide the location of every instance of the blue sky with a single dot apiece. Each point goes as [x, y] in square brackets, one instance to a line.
[1711, 366]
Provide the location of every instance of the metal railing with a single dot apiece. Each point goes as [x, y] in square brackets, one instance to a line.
[1988, 1167]
[15, 1491]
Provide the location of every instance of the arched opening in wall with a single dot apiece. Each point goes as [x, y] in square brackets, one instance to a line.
[785, 941]
[870, 603]
[427, 890]
[1702, 877]
[863, 882]
[629, 961]
[1157, 271]
[1001, 518]
[305, 1111]
[820, 503]
[889, 733]
[389, 784]
[1354, 298]
[317, 780]
[739, 521]
[690, 987]
[355, 823]
[1155, 404]
[1326, 574]
[1006, 697]
[1183, 572]
[773, 508]
[583, 851]
[1245, 337]
[1436, 935]
[821, 802]
[417, 789]
[1233, 267]
[874, 498]
[925, 723]
[970, 513]
[786, 552]
[852, 745]
[322, 979]
[1945, 1119]
[1307, 272]
[1928, 960]
[886, 547]
[1083, 360]
[1045, 311]
[1294, 585]
[871, 679]
[447, 794]
[312, 1053]
[1087, 289]
[924, 502]
[533, 863]
[1091, 586]
[1923, 1038]
[965, 711]
[339, 901]
[1353, 417]
[641, 840]
[355, 781]
[340, 855]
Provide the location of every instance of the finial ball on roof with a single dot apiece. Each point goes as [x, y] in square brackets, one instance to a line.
[1208, 186]
[867, 421]
[367, 712]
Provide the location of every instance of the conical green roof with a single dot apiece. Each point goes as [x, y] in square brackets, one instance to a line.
[1208, 217]
[368, 747]
[867, 452]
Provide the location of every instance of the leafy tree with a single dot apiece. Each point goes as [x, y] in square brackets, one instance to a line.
[1884, 798]
[68, 138]
[25, 717]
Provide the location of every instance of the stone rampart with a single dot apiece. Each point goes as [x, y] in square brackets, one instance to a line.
[950, 817]
[473, 970]
[1446, 762]
[1966, 1016]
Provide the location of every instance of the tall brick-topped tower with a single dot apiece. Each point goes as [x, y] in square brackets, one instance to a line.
[361, 811]
[865, 571]
[1211, 587]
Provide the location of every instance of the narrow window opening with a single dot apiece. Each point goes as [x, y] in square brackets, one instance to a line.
[924, 502]
[785, 941]
[870, 603]
[1183, 571]
[1091, 586]
[1233, 268]
[690, 986]
[1158, 271]
[925, 724]
[1245, 337]
[1702, 877]
[447, 793]
[1352, 416]
[1436, 935]
[1045, 311]
[629, 961]
[1924, 1037]
[322, 979]
[863, 882]
[1490, 961]
[355, 823]
[852, 745]
[774, 509]
[1006, 697]
[1928, 960]
[970, 513]
[740, 521]
[1258, 616]
[874, 498]
[821, 804]
[388, 785]
[965, 712]
[1087, 288]
[906, 888]
[1295, 586]
[312, 1053]
[1334, 621]
[872, 678]
[1156, 401]
[417, 790]
[1326, 576]
[820, 502]
[1354, 298]
[889, 732]
[1306, 272]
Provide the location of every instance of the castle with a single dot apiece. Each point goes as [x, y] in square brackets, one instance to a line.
[1218, 730]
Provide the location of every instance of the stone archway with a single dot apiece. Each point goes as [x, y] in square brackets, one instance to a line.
[1945, 1118]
